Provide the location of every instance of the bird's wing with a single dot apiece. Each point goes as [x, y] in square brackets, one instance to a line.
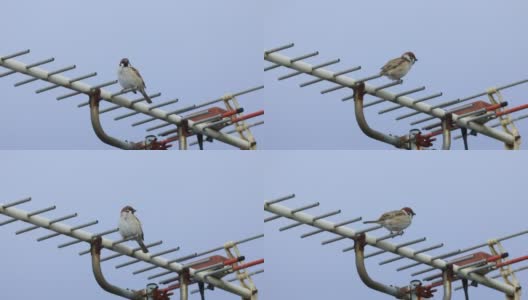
[393, 63]
[140, 228]
[138, 75]
[390, 215]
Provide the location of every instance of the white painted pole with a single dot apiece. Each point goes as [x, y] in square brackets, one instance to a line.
[122, 101]
[403, 100]
[85, 236]
[387, 246]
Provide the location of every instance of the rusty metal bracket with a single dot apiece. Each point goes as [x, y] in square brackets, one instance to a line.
[95, 98]
[420, 140]
[447, 276]
[359, 247]
[185, 279]
[398, 142]
[183, 128]
[95, 250]
[447, 125]
[150, 143]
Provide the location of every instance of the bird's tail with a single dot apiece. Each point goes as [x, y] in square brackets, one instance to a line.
[370, 222]
[142, 245]
[142, 91]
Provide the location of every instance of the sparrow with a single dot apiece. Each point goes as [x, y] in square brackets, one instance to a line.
[129, 78]
[396, 68]
[396, 220]
[130, 227]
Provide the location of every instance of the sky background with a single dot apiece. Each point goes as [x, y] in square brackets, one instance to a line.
[192, 50]
[199, 50]
[176, 200]
[461, 200]
[210, 209]
[463, 48]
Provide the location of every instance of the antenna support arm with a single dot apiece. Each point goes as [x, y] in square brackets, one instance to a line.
[95, 250]
[95, 98]
[359, 92]
[359, 247]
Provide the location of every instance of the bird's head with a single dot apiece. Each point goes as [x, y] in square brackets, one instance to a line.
[128, 209]
[408, 211]
[409, 56]
[124, 62]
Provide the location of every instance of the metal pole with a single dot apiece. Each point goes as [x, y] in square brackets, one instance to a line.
[388, 246]
[359, 248]
[182, 139]
[359, 92]
[413, 288]
[184, 285]
[447, 284]
[101, 280]
[122, 101]
[460, 100]
[98, 128]
[120, 248]
[446, 132]
[150, 291]
[403, 100]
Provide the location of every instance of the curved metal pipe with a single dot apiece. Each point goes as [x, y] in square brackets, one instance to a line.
[447, 284]
[184, 284]
[95, 97]
[95, 250]
[446, 132]
[397, 142]
[182, 139]
[359, 247]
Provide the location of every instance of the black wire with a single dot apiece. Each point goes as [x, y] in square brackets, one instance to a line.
[200, 140]
[201, 287]
[465, 137]
[465, 286]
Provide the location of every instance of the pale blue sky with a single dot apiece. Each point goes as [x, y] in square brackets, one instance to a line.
[199, 50]
[176, 199]
[461, 200]
[192, 50]
[463, 48]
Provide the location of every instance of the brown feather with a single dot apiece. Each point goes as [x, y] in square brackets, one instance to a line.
[393, 63]
[139, 75]
[391, 214]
